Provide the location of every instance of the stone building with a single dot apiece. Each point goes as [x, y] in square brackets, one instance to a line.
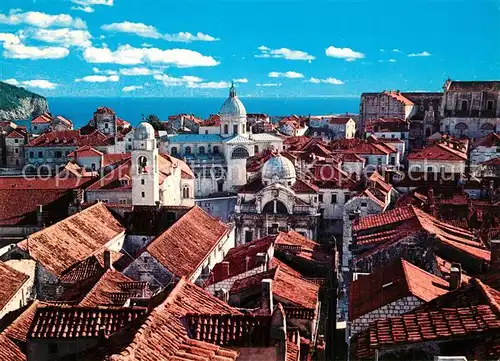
[16, 288]
[470, 108]
[484, 149]
[14, 148]
[391, 290]
[328, 128]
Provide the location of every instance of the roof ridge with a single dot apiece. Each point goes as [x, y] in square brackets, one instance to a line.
[404, 266]
[486, 290]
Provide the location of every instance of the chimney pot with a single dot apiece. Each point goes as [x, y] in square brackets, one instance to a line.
[267, 295]
[107, 259]
[455, 276]
[495, 252]
[261, 260]
[225, 267]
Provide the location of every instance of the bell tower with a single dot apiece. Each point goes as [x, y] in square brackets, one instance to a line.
[145, 178]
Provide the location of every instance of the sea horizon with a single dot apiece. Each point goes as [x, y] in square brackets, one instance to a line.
[134, 109]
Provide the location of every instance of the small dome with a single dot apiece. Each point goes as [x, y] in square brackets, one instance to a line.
[278, 169]
[233, 105]
[144, 131]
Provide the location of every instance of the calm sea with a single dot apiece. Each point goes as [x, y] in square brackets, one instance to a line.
[80, 110]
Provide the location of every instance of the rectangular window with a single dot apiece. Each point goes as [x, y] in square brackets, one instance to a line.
[93, 166]
[16, 150]
[320, 198]
[32, 155]
[226, 129]
[347, 196]
[402, 136]
[40, 154]
[248, 236]
[363, 204]
[16, 140]
[143, 195]
[379, 161]
[58, 154]
[142, 182]
[490, 104]
[334, 198]
[235, 129]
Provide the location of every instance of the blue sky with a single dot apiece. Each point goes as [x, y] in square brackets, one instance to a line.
[271, 48]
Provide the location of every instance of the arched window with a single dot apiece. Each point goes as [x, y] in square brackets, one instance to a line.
[275, 206]
[185, 192]
[240, 153]
[216, 149]
[187, 150]
[173, 151]
[226, 129]
[201, 150]
[428, 132]
[488, 126]
[142, 164]
[461, 128]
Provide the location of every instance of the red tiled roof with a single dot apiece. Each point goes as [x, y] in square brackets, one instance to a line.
[213, 121]
[383, 219]
[390, 283]
[80, 322]
[438, 151]
[18, 329]
[163, 335]
[288, 285]
[65, 138]
[303, 247]
[15, 134]
[387, 125]
[399, 97]
[104, 110]
[237, 259]
[490, 140]
[186, 245]
[339, 120]
[73, 239]
[12, 281]
[470, 311]
[85, 151]
[112, 158]
[42, 119]
[9, 351]
[302, 186]
[445, 269]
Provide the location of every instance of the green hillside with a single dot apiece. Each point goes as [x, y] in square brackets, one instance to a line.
[10, 95]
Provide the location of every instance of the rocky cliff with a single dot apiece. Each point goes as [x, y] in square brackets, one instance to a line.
[20, 104]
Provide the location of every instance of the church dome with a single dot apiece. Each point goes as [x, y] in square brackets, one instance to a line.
[233, 105]
[144, 131]
[278, 169]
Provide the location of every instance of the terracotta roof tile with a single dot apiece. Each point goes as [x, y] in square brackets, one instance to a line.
[438, 151]
[12, 281]
[66, 138]
[490, 140]
[9, 351]
[73, 239]
[184, 246]
[18, 329]
[390, 283]
[42, 119]
[399, 97]
[80, 322]
[240, 259]
[301, 246]
[85, 151]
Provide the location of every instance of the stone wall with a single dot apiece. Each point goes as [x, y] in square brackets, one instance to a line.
[147, 269]
[395, 308]
[228, 283]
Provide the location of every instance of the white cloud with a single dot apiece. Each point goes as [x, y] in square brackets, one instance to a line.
[146, 45]
[168, 80]
[330, 80]
[423, 53]
[132, 88]
[107, 72]
[185, 37]
[99, 79]
[210, 85]
[283, 53]
[14, 49]
[382, 50]
[140, 29]
[86, 9]
[392, 60]
[149, 31]
[36, 83]
[241, 80]
[139, 71]
[396, 51]
[269, 84]
[42, 20]
[65, 37]
[128, 55]
[288, 74]
[9, 38]
[343, 53]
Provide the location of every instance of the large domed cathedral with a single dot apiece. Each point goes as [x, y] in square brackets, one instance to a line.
[219, 151]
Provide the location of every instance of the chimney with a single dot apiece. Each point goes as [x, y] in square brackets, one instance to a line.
[495, 252]
[455, 276]
[39, 215]
[107, 259]
[223, 295]
[225, 268]
[247, 263]
[261, 260]
[267, 295]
